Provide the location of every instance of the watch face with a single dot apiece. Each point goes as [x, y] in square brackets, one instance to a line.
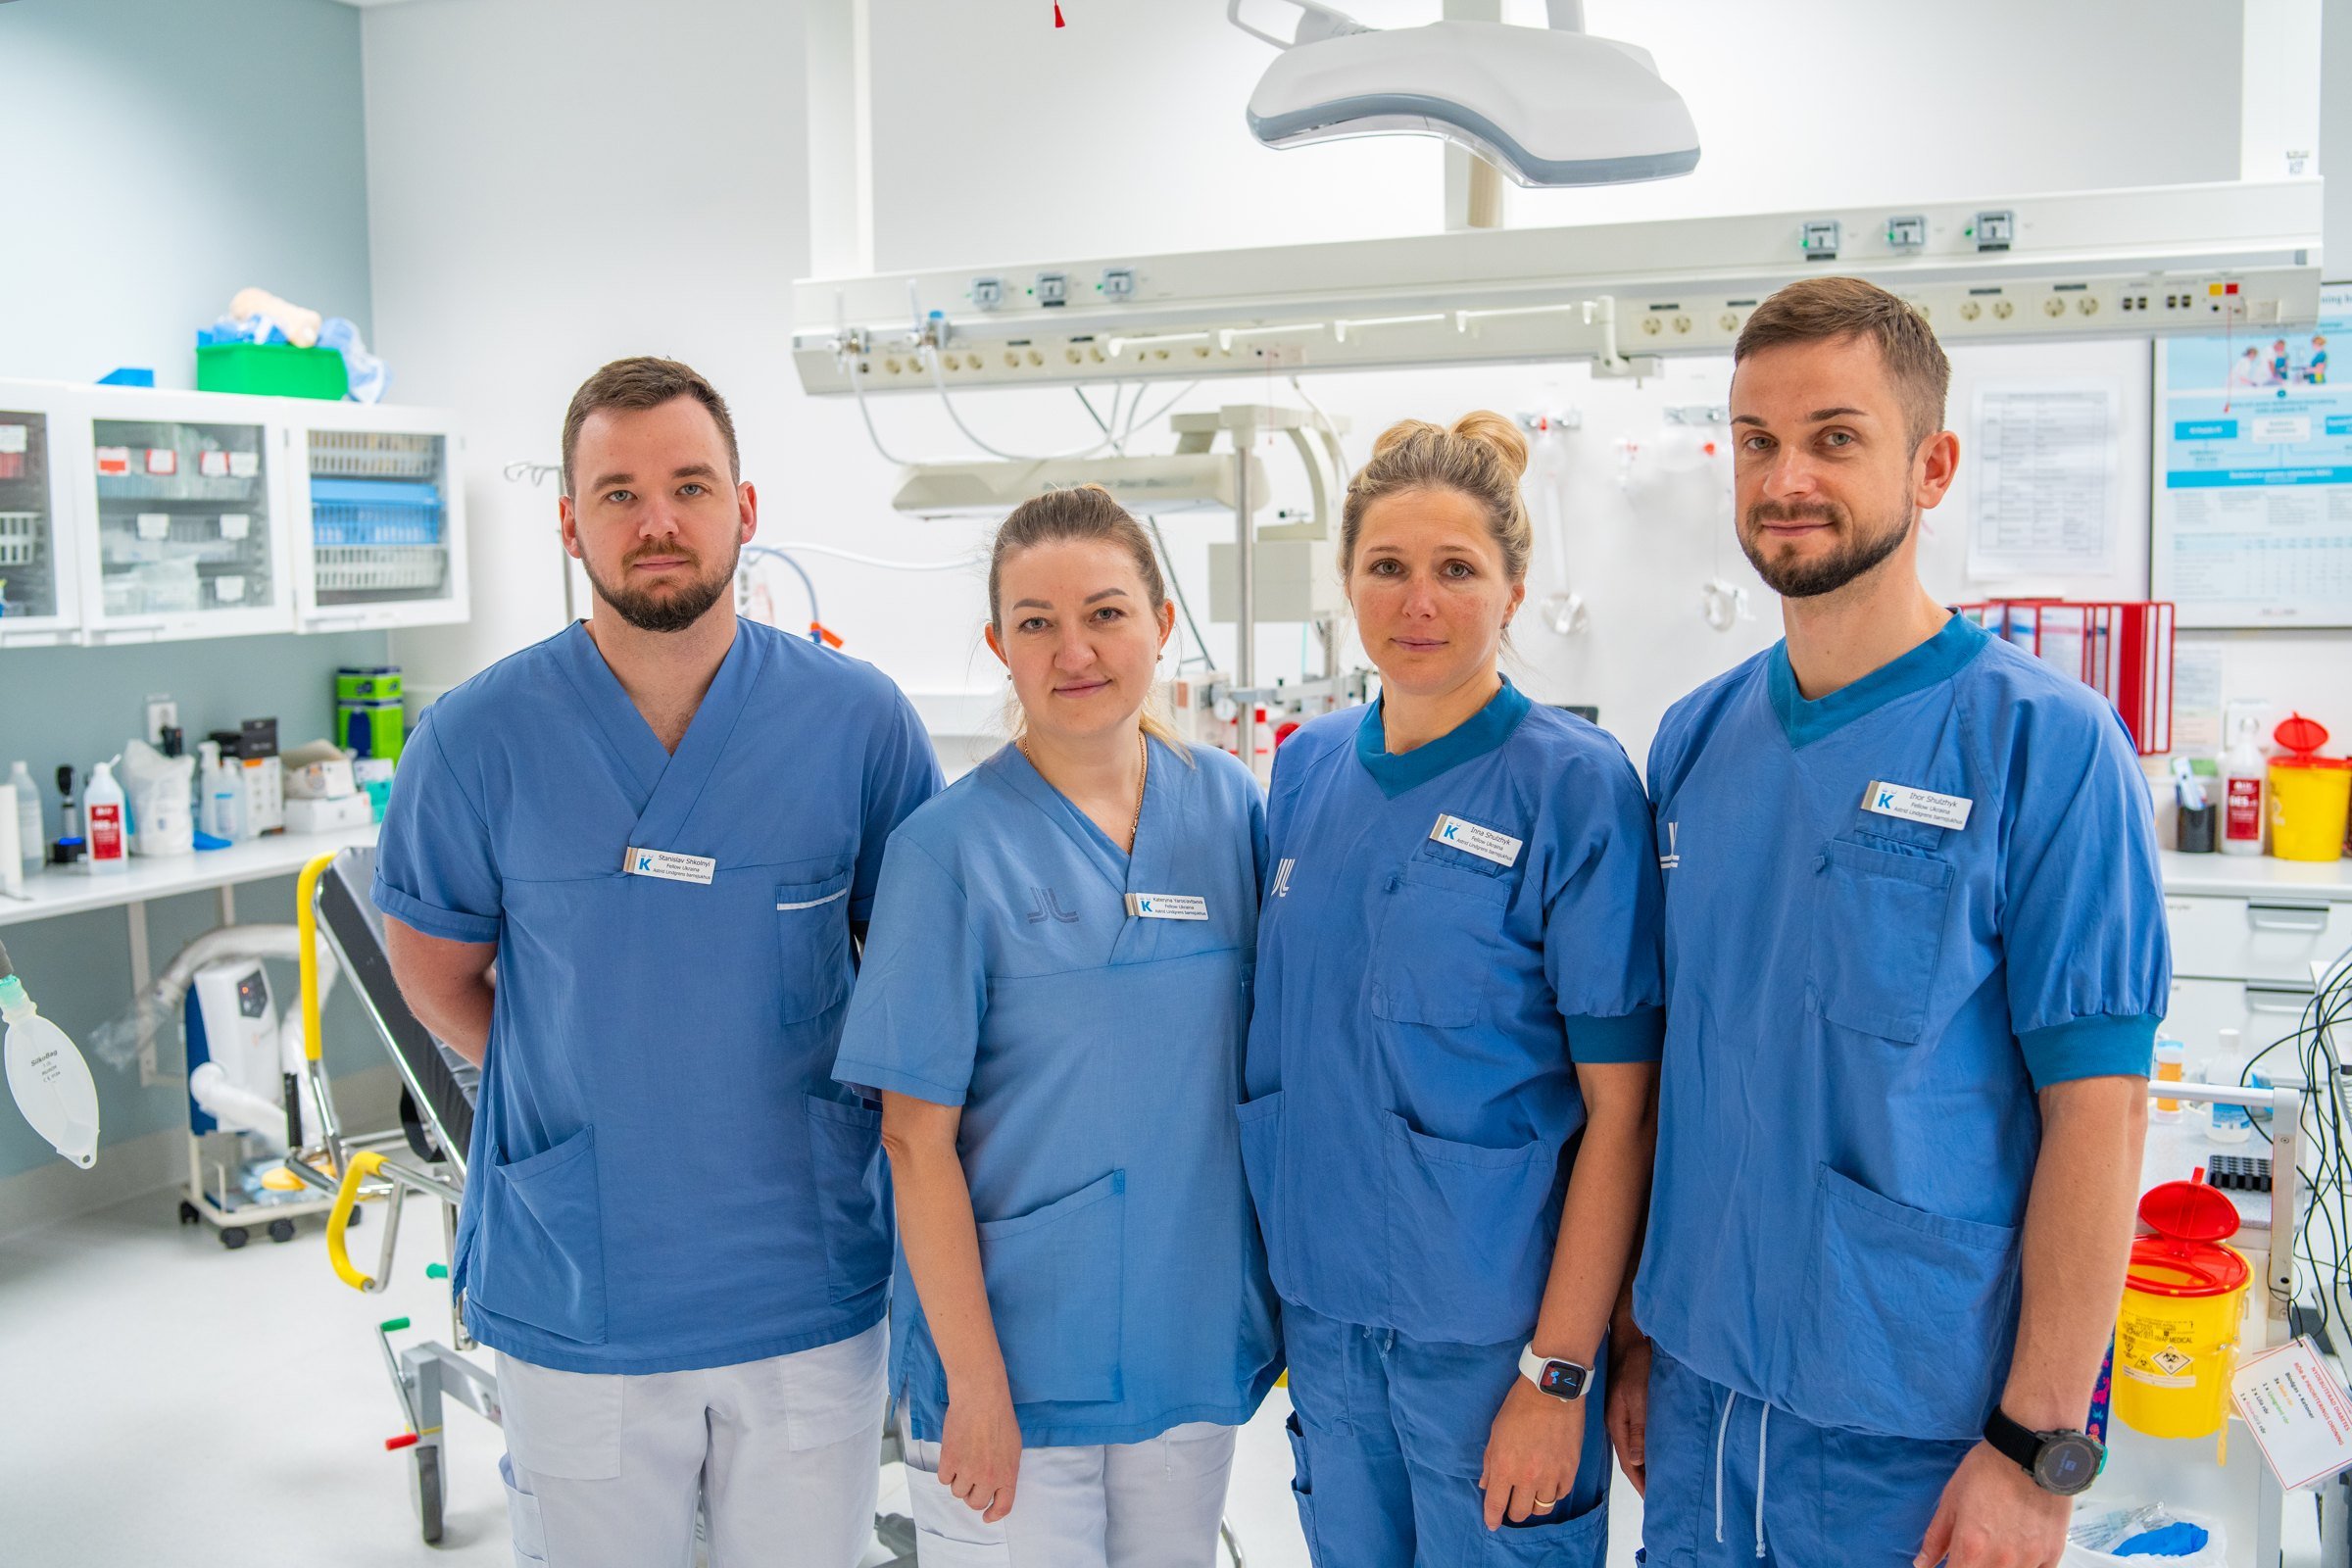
[2067, 1464]
[1564, 1380]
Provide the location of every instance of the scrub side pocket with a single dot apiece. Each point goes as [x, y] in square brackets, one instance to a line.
[1470, 1234]
[813, 946]
[853, 1195]
[1580, 1541]
[1878, 931]
[1930, 1308]
[539, 1251]
[1302, 1491]
[1054, 1278]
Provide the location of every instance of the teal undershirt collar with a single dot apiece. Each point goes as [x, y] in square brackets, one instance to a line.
[1474, 736]
[1938, 659]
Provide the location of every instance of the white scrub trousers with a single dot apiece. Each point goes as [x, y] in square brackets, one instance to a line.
[1150, 1504]
[603, 1471]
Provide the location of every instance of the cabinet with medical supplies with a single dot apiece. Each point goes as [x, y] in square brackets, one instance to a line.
[379, 517]
[40, 600]
[181, 515]
[2245, 935]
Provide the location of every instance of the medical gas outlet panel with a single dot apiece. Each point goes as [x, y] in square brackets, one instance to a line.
[2200, 258]
[130, 515]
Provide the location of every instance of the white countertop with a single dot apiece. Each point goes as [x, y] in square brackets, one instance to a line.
[2252, 877]
[55, 891]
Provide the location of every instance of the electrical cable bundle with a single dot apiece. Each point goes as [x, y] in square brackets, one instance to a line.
[2319, 1042]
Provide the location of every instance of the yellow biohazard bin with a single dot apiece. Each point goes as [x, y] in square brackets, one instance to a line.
[2309, 794]
[2176, 1340]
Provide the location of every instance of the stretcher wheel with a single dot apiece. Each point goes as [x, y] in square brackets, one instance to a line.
[424, 1490]
[281, 1230]
[233, 1237]
[188, 1214]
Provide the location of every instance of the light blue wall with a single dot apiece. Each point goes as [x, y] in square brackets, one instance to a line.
[165, 153]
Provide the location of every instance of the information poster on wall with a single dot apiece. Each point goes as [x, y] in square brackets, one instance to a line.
[2046, 456]
[2251, 519]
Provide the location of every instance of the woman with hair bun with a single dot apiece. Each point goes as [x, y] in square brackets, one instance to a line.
[1052, 1010]
[1450, 1095]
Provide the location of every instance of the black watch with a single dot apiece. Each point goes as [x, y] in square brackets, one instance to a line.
[2064, 1464]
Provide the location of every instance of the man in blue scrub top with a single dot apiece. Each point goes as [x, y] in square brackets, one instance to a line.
[1915, 960]
[662, 824]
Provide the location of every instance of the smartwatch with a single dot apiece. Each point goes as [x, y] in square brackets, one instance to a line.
[1562, 1380]
[2063, 1463]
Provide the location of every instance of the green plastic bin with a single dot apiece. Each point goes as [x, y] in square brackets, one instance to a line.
[270, 370]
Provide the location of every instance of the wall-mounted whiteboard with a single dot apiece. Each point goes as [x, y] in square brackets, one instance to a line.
[2251, 521]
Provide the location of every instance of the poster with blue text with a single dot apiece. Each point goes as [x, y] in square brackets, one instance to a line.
[2252, 492]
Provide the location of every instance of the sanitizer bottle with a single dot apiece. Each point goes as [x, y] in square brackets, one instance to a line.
[2246, 792]
[31, 843]
[102, 808]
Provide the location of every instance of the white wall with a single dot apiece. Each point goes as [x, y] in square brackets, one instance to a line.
[552, 185]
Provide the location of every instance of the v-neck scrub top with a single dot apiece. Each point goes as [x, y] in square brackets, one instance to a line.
[664, 1176]
[1012, 969]
[1862, 1006]
[1422, 1006]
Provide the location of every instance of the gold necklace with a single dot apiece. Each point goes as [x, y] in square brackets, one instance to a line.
[1143, 757]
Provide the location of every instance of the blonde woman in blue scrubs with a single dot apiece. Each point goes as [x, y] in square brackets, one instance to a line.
[1052, 1010]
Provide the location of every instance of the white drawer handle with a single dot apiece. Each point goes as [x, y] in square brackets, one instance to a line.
[2311, 918]
[2278, 999]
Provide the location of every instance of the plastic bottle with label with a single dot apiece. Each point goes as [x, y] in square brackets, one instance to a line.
[2232, 1124]
[102, 809]
[221, 786]
[31, 843]
[2170, 1055]
[2246, 792]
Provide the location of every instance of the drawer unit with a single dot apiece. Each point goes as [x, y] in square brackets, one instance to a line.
[2276, 937]
[2262, 1012]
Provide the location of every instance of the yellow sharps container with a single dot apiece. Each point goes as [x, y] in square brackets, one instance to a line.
[2176, 1340]
[2309, 794]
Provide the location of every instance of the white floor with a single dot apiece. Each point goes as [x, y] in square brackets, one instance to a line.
[172, 1404]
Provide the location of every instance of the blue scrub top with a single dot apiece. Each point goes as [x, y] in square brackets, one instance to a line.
[1421, 1008]
[1861, 1008]
[664, 1175]
[1097, 1056]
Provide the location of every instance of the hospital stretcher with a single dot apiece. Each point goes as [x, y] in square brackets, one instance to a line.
[425, 1156]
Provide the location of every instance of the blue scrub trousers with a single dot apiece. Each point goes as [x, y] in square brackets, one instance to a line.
[1388, 1437]
[1732, 1482]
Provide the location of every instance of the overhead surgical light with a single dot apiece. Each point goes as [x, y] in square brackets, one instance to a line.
[1546, 106]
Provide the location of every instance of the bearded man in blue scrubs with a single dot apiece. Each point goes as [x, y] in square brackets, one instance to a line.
[662, 824]
[1915, 960]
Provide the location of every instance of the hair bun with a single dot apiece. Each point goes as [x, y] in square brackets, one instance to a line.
[1497, 435]
[1403, 430]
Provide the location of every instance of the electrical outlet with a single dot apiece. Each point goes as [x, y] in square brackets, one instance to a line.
[1819, 239]
[161, 713]
[1052, 289]
[988, 292]
[1994, 231]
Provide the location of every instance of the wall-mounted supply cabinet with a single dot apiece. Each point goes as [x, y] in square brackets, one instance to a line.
[128, 514]
[40, 595]
[385, 541]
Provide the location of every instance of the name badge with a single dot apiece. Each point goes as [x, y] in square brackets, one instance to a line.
[1483, 842]
[669, 867]
[1168, 906]
[1918, 806]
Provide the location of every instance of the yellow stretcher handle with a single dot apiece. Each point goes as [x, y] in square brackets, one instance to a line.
[306, 921]
[364, 1164]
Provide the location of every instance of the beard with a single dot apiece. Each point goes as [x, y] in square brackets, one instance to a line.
[664, 608]
[1806, 579]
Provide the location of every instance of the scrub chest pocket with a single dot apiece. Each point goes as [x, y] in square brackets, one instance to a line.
[813, 944]
[1440, 943]
[1878, 931]
[539, 1251]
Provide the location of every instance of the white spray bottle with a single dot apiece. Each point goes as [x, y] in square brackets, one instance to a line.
[2245, 789]
[46, 1074]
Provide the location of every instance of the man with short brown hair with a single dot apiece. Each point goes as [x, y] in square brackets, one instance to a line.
[1915, 959]
[662, 824]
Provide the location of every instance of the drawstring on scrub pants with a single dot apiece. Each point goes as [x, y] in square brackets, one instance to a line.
[1722, 1431]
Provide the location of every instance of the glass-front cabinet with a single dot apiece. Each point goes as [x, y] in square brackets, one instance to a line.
[39, 595]
[379, 535]
[189, 527]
